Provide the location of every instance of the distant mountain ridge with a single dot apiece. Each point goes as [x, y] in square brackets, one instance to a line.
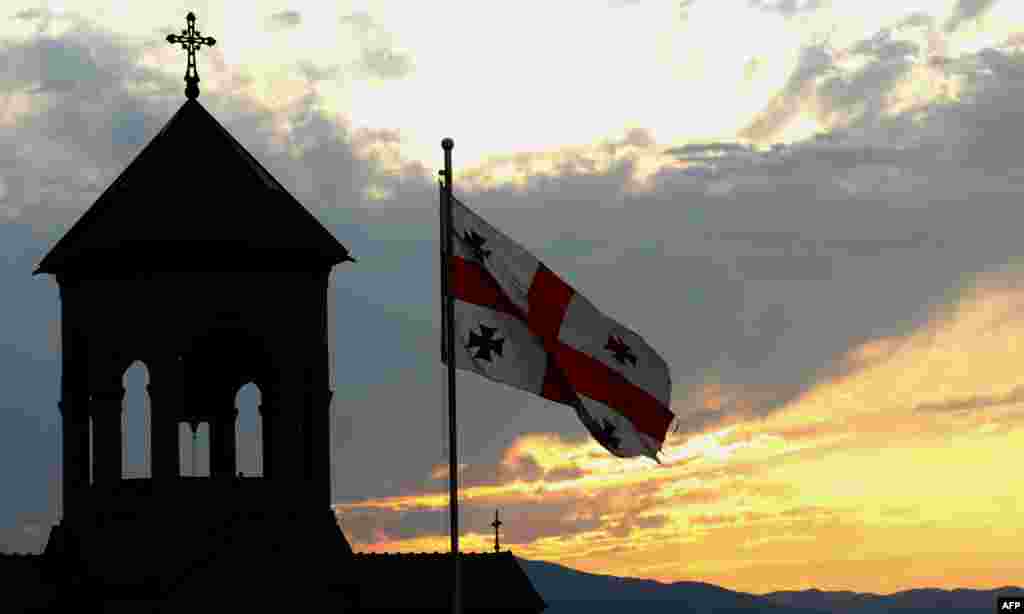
[567, 591]
[956, 600]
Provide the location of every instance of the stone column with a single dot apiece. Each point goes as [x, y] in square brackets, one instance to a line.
[165, 407]
[76, 465]
[105, 408]
[310, 417]
[268, 415]
[322, 418]
[282, 437]
[166, 461]
[322, 453]
[223, 457]
[73, 404]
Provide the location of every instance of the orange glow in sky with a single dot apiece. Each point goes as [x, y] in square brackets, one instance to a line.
[872, 482]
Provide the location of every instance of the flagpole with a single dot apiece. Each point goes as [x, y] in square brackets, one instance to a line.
[448, 330]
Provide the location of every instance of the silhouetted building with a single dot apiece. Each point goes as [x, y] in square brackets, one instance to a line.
[198, 263]
[25, 590]
[422, 582]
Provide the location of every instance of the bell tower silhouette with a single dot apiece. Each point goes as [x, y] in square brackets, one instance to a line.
[198, 263]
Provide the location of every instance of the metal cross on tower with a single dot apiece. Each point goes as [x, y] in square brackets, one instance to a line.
[497, 523]
[191, 40]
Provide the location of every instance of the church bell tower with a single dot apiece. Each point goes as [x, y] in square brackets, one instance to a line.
[198, 263]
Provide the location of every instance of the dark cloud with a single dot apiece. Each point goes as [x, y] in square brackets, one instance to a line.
[558, 514]
[917, 20]
[883, 47]
[379, 57]
[563, 474]
[386, 63]
[315, 73]
[788, 8]
[655, 521]
[523, 469]
[967, 10]
[361, 22]
[523, 522]
[784, 268]
[815, 61]
[284, 20]
[29, 14]
[705, 151]
[862, 93]
[712, 519]
[698, 496]
[972, 403]
[520, 469]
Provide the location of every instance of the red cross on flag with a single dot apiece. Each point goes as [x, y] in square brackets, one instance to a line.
[518, 323]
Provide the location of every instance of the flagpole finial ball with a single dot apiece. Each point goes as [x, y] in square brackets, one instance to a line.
[447, 143]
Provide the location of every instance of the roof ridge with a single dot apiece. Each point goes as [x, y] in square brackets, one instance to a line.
[254, 165]
[91, 214]
[142, 203]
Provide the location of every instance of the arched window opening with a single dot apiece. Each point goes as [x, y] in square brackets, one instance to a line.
[136, 418]
[248, 437]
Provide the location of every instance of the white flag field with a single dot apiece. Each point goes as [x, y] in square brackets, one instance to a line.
[518, 323]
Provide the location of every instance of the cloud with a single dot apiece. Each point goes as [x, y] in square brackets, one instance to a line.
[967, 10]
[386, 63]
[717, 270]
[527, 518]
[563, 474]
[379, 57]
[815, 61]
[1015, 40]
[315, 73]
[974, 402]
[284, 20]
[788, 8]
[917, 20]
[712, 519]
[684, 9]
[699, 496]
[705, 151]
[29, 14]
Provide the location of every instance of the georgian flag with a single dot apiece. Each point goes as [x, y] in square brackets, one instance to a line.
[517, 323]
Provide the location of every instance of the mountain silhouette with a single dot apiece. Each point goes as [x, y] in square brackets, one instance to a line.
[957, 601]
[568, 591]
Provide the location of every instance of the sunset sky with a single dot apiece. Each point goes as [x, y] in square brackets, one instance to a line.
[812, 210]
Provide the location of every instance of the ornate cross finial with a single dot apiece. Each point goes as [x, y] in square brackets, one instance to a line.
[191, 40]
[497, 523]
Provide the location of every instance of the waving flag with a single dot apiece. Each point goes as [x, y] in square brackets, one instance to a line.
[518, 323]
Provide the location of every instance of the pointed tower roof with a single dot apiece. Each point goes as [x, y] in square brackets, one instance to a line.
[195, 199]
